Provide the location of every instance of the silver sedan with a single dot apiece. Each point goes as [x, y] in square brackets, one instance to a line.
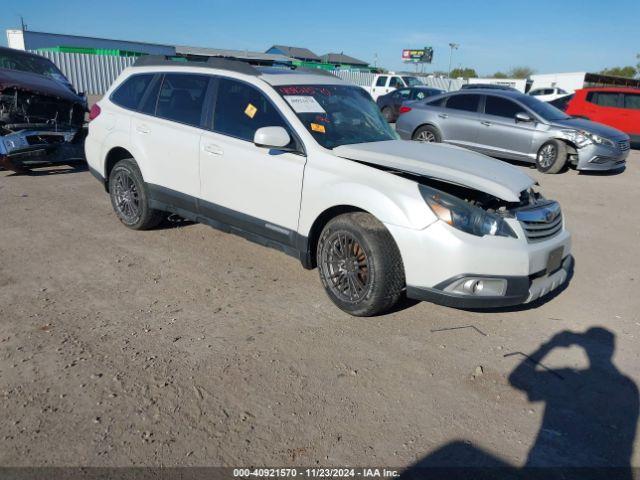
[510, 125]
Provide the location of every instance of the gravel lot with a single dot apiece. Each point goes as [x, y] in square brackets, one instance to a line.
[188, 346]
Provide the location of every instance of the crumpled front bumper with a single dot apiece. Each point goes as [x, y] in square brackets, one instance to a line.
[601, 157]
[24, 149]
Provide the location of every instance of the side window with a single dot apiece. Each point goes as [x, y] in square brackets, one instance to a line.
[604, 99]
[182, 97]
[632, 101]
[439, 102]
[381, 82]
[150, 97]
[467, 103]
[501, 107]
[242, 109]
[395, 82]
[535, 93]
[129, 94]
[404, 94]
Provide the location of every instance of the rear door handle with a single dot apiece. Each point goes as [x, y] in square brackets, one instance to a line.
[488, 124]
[142, 129]
[213, 149]
[443, 115]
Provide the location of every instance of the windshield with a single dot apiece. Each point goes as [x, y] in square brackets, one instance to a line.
[545, 110]
[31, 63]
[412, 81]
[337, 114]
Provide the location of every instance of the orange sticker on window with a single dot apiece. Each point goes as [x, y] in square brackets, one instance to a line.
[250, 111]
[317, 128]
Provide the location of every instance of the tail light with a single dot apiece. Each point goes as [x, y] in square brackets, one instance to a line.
[404, 109]
[94, 112]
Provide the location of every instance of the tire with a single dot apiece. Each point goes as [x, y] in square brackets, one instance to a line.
[360, 265]
[552, 156]
[387, 113]
[130, 197]
[427, 134]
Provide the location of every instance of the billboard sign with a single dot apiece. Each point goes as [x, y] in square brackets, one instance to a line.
[422, 55]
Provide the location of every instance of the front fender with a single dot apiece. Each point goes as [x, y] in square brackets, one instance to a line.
[390, 198]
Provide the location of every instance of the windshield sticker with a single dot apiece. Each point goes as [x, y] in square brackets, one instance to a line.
[304, 104]
[250, 111]
[317, 128]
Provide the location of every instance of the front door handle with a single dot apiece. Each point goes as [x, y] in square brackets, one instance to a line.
[213, 149]
[142, 129]
[443, 115]
[488, 124]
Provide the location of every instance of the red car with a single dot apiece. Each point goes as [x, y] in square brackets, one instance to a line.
[616, 107]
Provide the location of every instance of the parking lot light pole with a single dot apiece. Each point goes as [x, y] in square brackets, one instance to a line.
[452, 46]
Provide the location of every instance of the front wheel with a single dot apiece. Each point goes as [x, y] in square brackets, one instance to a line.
[129, 197]
[359, 264]
[552, 157]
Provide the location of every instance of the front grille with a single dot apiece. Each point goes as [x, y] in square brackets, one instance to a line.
[624, 145]
[541, 222]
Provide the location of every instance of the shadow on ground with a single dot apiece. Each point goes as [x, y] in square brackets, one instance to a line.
[588, 427]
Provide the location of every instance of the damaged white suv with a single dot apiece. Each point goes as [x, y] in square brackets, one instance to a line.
[304, 162]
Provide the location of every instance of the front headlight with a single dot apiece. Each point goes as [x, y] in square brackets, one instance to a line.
[583, 138]
[463, 216]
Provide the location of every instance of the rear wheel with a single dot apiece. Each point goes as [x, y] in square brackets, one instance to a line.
[552, 156]
[427, 134]
[130, 198]
[359, 264]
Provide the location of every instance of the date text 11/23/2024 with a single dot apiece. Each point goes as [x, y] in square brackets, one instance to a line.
[315, 473]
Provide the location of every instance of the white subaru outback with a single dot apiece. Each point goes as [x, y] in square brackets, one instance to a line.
[303, 162]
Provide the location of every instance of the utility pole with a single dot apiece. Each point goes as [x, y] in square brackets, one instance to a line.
[452, 47]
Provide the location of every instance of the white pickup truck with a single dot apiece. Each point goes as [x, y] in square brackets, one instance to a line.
[384, 83]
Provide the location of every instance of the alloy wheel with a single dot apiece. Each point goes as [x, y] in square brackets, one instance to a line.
[426, 136]
[127, 199]
[345, 266]
[547, 155]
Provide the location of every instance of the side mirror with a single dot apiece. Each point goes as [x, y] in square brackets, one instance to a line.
[523, 117]
[271, 137]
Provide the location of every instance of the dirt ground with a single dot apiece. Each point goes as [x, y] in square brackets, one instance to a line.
[188, 346]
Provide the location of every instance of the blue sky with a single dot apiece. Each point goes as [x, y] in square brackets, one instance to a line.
[549, 36]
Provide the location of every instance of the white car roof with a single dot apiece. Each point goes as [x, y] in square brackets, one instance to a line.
[271, 75]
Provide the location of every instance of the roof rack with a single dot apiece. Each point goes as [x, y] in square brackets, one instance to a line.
[238, 66]
[213, 62]
[315, 71]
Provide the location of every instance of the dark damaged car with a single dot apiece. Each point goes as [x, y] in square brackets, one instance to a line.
[41, 115]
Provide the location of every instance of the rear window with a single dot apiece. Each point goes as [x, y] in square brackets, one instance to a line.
[604, 99]
[182, 97]
[632, 101]
[129, 94]
[467, 103]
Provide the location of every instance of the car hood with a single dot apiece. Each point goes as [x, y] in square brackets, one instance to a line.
[591, 127]
[443, 162]
[32, 82]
